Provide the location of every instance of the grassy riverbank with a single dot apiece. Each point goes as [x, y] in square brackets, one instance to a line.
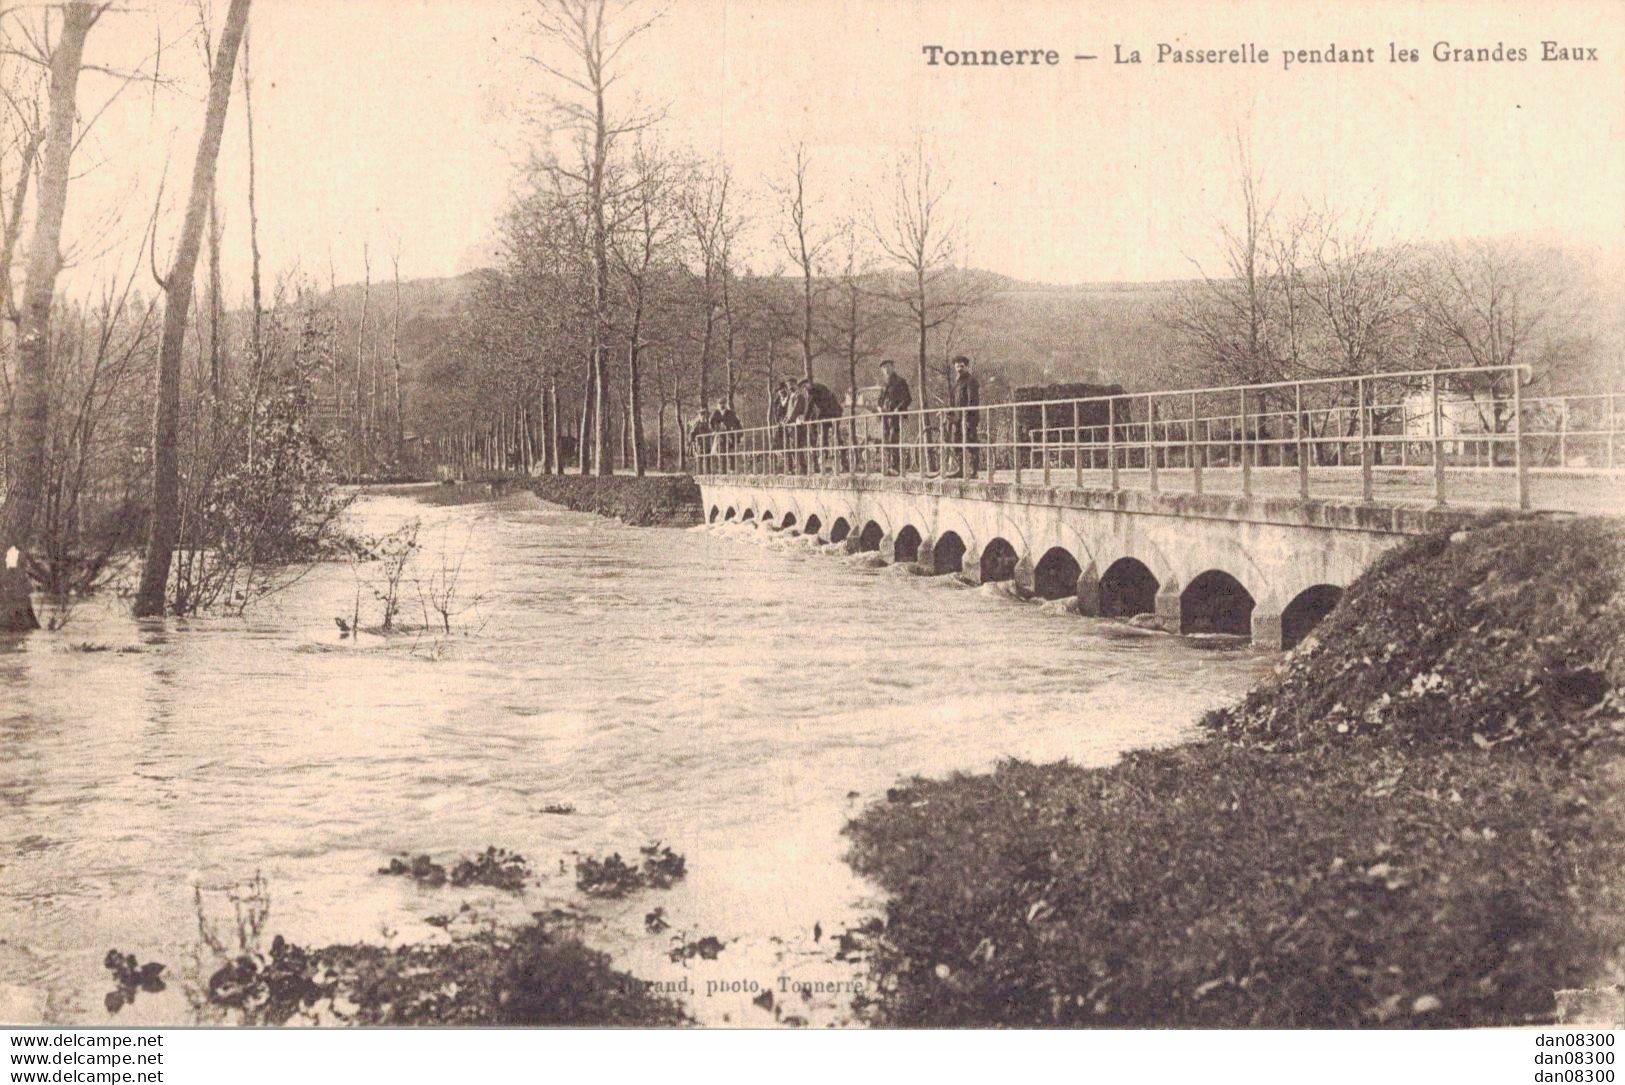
[1417, 822]
[652, 501]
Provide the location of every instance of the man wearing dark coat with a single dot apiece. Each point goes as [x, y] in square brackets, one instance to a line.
[962, 425]
[699, 435]
[894, 398]
[818, 407]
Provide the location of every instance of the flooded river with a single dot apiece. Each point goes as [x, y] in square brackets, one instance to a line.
[732, 693]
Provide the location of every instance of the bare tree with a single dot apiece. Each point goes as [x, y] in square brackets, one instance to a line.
[857, 321]
[1485, 305]
[805, 248]
[712, 224]
[917, 233]
[1358, 292]
[25, 469]
[647, 234]
[592, 35]
[164, 527]
[1227, 318]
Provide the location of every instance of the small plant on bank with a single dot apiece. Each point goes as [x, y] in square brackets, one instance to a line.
[130, 977]
[615, 877]
[439, 595]
[535, 974]
[496, 868]
[391, 553]
[608, 877]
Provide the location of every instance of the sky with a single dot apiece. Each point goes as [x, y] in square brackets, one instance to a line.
[397, 126]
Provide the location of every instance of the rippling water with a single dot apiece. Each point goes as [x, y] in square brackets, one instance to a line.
[734, 693]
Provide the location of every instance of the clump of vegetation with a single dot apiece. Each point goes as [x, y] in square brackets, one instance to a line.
[558, 808]
[608, 877]
[672, 500]
[1513, 633]
[272, 988]
[529, 976]
[536, 974]
[495, 867]
[1217, 887]
[129, 976]
[707, 948]
[662, 866]
[1342, 853]
[615, 877]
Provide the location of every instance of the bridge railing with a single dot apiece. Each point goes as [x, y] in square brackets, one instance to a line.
[1332, 436]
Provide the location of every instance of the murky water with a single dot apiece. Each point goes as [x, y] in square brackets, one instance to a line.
[733, 693]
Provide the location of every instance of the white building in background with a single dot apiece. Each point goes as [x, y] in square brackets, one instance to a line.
[1460, 415]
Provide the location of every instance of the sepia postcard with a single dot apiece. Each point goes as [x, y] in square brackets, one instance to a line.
[811, 514]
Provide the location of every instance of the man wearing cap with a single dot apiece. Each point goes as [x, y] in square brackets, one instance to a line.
[967, 395]
[894, 399]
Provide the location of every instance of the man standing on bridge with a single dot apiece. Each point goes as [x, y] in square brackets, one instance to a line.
[823, 408]
[894, 399]
[967, 395]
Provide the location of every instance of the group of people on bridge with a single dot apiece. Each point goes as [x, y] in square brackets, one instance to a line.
[809, 431]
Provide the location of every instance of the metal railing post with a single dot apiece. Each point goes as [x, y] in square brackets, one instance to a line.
[1151, 440]
[1563, 435]
[1303, 447]
[1077, 445]
[1246, 459]
[1438, 442]
[1111, 437]
[1612, 426]
[1518, 460]
[1198, 449]
[1043, 422]
[1365, 443]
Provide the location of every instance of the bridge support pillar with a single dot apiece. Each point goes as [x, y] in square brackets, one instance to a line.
[925, 557]
[1267, 628]
[1024, 576]
[1169, 616]
[971, 565]
[1089, 592]
[888, 548]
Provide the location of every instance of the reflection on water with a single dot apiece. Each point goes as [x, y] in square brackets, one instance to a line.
[733, 693]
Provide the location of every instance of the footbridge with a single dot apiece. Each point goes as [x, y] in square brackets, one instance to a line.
[1242, 510]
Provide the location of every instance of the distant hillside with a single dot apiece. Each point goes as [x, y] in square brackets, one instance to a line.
[1024, 333]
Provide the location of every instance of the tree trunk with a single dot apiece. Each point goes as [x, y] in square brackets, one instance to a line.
[31, 397]
[554, 445]
[584, 445]
[164, 527]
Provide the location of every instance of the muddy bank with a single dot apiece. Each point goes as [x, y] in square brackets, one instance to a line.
[1416, 822]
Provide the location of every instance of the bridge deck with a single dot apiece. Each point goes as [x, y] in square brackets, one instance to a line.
[1587, 493]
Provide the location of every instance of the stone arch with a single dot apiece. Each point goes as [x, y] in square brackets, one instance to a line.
[906, 546]
[1305, 612]
[1216, 602]
[1127, 589]
[729, 515]
[767, 518]
[998, 561]
[869, 538]
[748, 516]
[788, 522]
[839, 530]
[812, 526]
[1056, 574]
[948, 553]
[716, 513]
